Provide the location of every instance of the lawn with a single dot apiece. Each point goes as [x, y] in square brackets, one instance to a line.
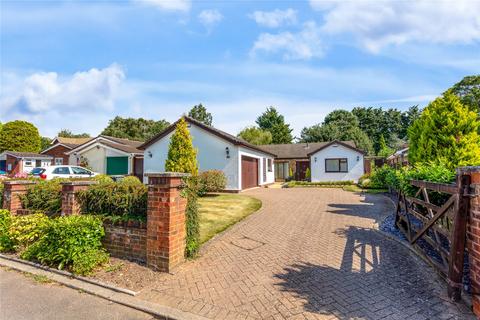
[355, 188]
[218, 212]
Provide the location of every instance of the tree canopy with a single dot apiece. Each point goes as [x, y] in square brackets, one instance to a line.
[447, 131]
[273, 122]
[66, 133]
[134, 129]
[200, 113]
[20, 136]
[45, 143]
[182, 156]
[468, 90]
[256, 135]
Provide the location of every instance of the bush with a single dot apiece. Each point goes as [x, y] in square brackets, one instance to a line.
[212, 181]
[1, 193]
[433, 172]
[191, 216]
[308, 174]
[116, 200]
[378, 177]
[6, 243]
[102, 179]
[130, 180]
[44, 196]
[293, 184]
[25, 230]
[70, 241]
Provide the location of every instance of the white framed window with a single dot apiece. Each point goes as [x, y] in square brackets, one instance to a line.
[336, 165]
[58, 161]
[28, 163]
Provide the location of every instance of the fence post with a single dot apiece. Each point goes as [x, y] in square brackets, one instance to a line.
[165, 221]
[70, 203]
[473, 235]
[11, 192]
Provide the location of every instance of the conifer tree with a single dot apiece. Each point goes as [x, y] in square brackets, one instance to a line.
[182, 156]
[447, 131]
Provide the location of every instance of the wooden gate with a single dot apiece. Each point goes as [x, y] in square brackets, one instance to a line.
[434, 221]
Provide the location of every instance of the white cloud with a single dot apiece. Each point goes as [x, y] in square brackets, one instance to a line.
[210, 18]
[275, 18]
[377, 24]
[302, 45]
[168, 5]
[46, 91]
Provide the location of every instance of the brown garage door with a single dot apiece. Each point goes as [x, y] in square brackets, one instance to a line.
[249, 172]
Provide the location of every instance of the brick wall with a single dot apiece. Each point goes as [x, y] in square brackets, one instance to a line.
[58, 152]
[473, 237]
[126, 241]
[11, 192]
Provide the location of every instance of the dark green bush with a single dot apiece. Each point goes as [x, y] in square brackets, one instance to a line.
[116, 200]
[190, 192]
[70, 242]
[212, 181]
[433, 172]
[6, 242]
[378, 177]
[44, 196]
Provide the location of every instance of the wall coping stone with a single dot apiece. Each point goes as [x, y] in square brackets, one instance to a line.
[167, 175]
[78, 183]
[10, 182]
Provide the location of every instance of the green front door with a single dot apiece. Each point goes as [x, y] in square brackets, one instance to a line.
[117, 166]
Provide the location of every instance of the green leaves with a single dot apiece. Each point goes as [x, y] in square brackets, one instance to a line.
[200, 113]
[256, 135]
[134, 129]
[182, 156]
[20, 136]
[44, 196]
[274, 123]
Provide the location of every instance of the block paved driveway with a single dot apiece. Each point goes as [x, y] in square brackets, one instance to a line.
[308, 254]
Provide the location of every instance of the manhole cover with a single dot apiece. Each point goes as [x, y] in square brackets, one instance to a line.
[247, 243]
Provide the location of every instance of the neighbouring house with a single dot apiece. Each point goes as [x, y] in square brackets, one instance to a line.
[60, 146]
[109, 155]
[327, 161]
[22, 162]
[399, 158]
[245, 165]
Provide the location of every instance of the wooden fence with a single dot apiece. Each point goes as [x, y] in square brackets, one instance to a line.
[434, 221]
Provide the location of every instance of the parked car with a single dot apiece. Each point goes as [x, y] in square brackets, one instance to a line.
[51, 172]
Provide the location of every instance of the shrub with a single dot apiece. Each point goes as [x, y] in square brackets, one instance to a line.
[102, 179]
[116, 200]
[378, 177]
[212, 181]
[70, 241]
[293, 184]
[1, 193]
[130, 180]
[25, 230]
[44, 196]
[192, 219]
[6, 243]
[308, 174]
[433, 172]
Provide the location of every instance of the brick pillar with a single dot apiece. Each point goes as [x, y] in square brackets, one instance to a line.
[473, 234]
[165, 221]
[12, 190]
[70, 204]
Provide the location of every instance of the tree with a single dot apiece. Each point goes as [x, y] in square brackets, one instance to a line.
[408, 118]
[256, 135]
[468, 90]
[385, 150]
[337, 130]
[134, 129]
[274, 123]
[341, 115]
[19, 136]
[182, 156]
[45, 143]
[447, 132]
[199, 113]
[65, 133]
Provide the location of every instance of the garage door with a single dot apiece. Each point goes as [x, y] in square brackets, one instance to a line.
[117, 166]
[249, 172]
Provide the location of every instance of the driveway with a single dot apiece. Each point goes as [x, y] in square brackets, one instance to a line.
[24, 298]
[308, 254]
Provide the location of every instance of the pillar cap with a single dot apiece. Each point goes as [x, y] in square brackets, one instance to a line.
[79, 183]
[19, 182]
[469, 169]
[167, 175]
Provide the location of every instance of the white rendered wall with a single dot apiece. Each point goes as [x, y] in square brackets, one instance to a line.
[355, 167]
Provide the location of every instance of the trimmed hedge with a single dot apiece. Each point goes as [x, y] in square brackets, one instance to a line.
[293, 184]
[44, 196]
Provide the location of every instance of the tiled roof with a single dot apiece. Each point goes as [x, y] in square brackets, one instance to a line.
[298, 150]
[27, 155]
[125, 145]
[72, 141]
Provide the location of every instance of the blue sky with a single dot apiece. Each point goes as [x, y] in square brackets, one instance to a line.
[69, 64]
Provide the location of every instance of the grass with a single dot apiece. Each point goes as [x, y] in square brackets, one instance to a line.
[38, 278]
[355, 188]
[218, 212]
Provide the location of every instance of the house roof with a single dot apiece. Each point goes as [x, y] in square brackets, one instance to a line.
[219, 133]
[125, 145]
[21, 155]
[299, 150]
[346, 144]
[73, 142]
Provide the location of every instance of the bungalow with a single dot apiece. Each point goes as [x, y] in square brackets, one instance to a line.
[245, 165]
[22, 162]
[327, 161]
[60, 146]
[109, 155]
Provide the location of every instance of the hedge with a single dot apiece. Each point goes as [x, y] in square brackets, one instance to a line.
[293, 184]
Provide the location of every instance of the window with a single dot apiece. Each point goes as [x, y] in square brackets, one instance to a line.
[61, 170]
[264, 169]
[58, 161]
[269, 165]
[78, 170]
[336, 165]
[28, 163]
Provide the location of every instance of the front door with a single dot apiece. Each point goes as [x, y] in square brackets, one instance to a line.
[302, 167]
[138, 168]
[249, 172]
[281, 171]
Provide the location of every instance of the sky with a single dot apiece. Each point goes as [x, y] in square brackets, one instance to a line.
[78, 64]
